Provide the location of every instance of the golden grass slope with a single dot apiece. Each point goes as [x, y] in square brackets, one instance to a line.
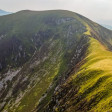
[95, 77]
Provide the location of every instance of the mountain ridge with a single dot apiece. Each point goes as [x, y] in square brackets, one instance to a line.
[56, 62]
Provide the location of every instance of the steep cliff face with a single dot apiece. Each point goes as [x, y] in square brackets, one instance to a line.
[52, 61]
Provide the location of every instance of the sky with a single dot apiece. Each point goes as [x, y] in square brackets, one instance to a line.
[96, 10]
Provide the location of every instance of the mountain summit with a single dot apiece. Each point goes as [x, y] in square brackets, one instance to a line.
[54, 61]
[2, 12]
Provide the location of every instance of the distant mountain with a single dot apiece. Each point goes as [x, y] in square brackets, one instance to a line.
[107, 26]
[2, 12]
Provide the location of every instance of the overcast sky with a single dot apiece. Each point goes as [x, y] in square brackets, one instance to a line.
[97, 10]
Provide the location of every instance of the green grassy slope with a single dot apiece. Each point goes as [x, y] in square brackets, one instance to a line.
[53, 35]
[28, 30]
[95, 78]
